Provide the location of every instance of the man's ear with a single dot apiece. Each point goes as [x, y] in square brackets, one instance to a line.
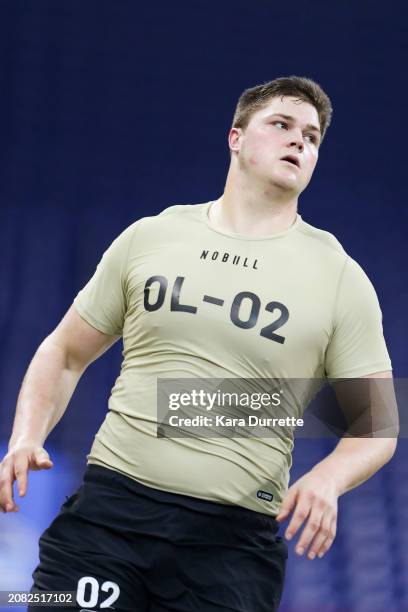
[234, 139]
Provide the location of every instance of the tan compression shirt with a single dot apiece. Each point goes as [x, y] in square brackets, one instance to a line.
[327, 314]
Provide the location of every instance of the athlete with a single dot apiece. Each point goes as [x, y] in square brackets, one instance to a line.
[240, 287]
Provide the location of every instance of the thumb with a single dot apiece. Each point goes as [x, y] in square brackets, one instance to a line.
[288, 504]
[42, 459]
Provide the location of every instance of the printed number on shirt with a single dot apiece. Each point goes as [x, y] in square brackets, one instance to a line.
[279, 311]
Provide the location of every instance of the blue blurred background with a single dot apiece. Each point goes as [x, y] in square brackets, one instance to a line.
[110, 111]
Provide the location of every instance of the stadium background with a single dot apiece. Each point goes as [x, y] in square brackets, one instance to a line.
[110, 111]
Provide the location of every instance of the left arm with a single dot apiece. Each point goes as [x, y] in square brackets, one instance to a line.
[315, 495]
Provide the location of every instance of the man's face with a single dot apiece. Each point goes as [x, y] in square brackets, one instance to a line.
[284, 127]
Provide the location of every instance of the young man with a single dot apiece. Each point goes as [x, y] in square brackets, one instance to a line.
[237, 288]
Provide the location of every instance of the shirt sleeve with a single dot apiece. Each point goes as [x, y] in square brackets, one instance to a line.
[102, 301]
[357, 346]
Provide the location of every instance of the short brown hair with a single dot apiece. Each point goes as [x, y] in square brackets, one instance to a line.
[255, 98]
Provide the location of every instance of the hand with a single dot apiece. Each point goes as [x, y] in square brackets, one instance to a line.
[15, 466]
[313, 497]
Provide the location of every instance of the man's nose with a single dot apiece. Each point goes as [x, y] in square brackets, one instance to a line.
[297, 140]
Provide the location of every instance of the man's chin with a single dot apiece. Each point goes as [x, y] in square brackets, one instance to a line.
[285, 184]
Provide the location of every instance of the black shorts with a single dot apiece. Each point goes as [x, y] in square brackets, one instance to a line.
[124, 546]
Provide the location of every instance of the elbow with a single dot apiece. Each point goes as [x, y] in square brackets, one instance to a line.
[390, 448]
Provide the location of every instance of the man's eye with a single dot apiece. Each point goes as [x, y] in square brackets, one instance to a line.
[280, 123]
[311, 137]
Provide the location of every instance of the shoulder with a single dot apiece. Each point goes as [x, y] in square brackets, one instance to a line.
[321, 252]
[326, 243]
[356, 281]
[321, 239]
[173, 211]
[352, 282]
[182, 210]
[177, 214]
[175, 219]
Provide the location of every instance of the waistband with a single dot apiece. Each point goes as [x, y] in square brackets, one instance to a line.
[98, 474]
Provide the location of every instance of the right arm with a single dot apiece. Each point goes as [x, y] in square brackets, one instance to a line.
[48, 385]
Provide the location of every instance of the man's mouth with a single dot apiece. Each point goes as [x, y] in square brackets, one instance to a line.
[291, 159]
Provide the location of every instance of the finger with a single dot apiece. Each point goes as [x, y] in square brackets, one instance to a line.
[20, 472]
[6, 488]
[329, 540]
[288, 504]
[312, 527]
[300, 514]
[322, 534]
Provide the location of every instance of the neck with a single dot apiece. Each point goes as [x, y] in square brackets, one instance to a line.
[253, 210]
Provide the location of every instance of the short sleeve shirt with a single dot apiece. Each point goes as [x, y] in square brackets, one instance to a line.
[192, 301]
